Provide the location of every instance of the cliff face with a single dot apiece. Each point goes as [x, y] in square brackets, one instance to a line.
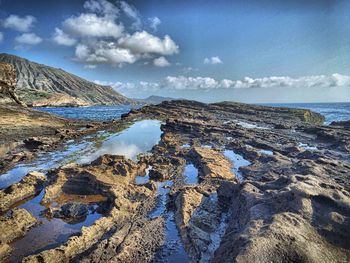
[8, 83]
[36, 82]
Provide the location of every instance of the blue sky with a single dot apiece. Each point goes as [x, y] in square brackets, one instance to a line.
[252, 51]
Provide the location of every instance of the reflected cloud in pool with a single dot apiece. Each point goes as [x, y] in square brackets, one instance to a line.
[138, 138]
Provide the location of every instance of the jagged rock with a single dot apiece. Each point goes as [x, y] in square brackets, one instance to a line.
[292, 204]
[14, 225]
[8, 81]
[213, 164]
[60, 100]
[341, 123]
[32, 143]
[30, 185]
[74, 210]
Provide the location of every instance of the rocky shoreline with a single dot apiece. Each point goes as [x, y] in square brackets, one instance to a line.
[227, 182]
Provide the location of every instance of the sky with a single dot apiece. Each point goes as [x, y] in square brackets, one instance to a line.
[261, 51]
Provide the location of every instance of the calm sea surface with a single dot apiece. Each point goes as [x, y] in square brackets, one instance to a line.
[331, 111]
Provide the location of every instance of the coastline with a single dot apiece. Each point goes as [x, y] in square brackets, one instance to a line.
[293, 172]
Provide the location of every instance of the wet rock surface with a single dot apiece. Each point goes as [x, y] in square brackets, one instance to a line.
[29, 186]
[14, 225]
[282, 194]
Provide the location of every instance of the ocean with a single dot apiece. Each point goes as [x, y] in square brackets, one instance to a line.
[331, 111]
[100, 113]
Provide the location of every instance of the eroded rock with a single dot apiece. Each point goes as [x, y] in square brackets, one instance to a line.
[30, 185]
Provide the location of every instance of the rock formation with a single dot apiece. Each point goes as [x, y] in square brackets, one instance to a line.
[8, 82]
[282, 195]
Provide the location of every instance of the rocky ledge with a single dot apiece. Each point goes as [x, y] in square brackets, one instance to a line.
[227, 182]
[60, 100]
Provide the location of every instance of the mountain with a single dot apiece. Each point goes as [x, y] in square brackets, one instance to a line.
[37, 82]
[155, 99]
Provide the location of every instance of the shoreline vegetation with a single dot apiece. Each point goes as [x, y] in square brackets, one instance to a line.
[226, 182]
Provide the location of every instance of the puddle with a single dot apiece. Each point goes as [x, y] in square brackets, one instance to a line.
[191, 174]
[140, 180]
[44, 162]
[49, 234]
[138, 138]
[163, 189]
[251, 126]
[172, 251]
[238, 161]
[266, 152]
[307, 147]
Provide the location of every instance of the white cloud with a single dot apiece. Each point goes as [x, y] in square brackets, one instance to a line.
[132, 13]
[161, 62]
[182, 83]
[104, 52]
[212, 61]
[144, 42]
[131, 89]
[190, 83]
[28, 39]
[102, 7]
[154, 22]
[207, 83]
[1, 37]
[22, 24]
[91, 25]
[62, 38]
[100, 37]
[90, 66]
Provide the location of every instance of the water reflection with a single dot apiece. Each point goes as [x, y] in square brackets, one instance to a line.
[191, 174]
[49, 234]
[238, 161]
[44, 162]
[139, 137]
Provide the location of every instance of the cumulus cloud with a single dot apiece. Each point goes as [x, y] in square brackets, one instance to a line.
[102, 52]
[28, 39]
[190, 83]
[212, 61]
[131, 89]
[1, 37]
[100, 37]
[161, 62]
[144, 42]
[91, 25]
[102, 7]
[22, 24]
[62, 38]
[154, 22]
[132, 13]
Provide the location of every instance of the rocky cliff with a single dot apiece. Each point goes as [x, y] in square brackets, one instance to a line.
[37, 82]
[8, 84]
